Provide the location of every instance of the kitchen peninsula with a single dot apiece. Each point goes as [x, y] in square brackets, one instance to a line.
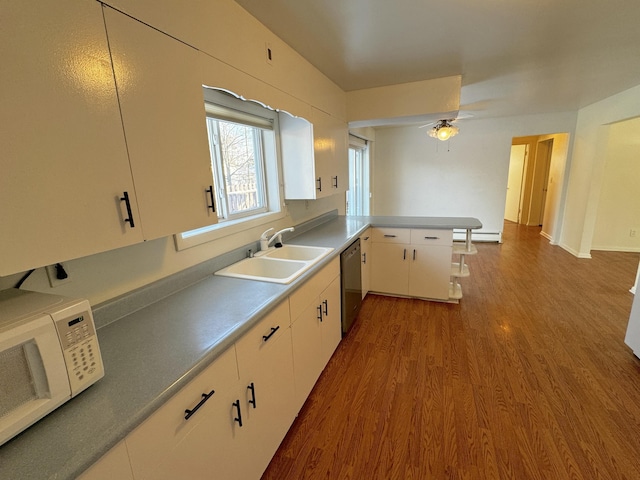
[153, 347]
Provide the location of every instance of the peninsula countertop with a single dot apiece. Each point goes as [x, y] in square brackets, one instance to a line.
[151, 353]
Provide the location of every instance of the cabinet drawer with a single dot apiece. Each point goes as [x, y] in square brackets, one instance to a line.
[166, 444]
[261, 337]
[309, 292]
[426, 236]
[391, 235]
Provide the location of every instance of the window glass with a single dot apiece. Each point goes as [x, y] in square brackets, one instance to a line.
[245, 165]
[238, 164]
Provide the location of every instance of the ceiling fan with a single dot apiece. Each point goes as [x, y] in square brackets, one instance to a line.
[444, 129]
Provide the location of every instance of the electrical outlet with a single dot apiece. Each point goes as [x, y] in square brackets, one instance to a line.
[58, 274]
[632, 232]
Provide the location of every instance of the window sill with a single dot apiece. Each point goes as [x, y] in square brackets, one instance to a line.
[220, 230]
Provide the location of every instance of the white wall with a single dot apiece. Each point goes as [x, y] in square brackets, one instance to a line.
[552, 218]
[415, 174]
[587, 166]
[618, 210]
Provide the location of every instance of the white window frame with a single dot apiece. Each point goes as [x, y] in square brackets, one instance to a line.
[359, 192]
[274, 187]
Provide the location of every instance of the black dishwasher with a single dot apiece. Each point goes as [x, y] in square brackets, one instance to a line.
[351, 284]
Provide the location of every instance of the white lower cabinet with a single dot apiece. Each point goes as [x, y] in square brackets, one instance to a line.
[229, 421]
[365, 250]
[316, 327]
[411, 262]
[168, 445]
[266, 395]
[113, 465]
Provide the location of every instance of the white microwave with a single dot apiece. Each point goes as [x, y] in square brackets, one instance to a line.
[49, 353]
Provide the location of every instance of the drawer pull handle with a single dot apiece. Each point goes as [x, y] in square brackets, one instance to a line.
[253, 394]
[404, 254]
[205, 397]
[364, 257]
[335, 184]
[414, 254]
[273, 330]
[432, 238]
[127, 203]
[319, 312]
[239, 417]
[213, 202]
[319, 182]
[326, 307]
[390, 236]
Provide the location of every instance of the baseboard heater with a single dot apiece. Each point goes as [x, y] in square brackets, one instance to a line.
[461, 235]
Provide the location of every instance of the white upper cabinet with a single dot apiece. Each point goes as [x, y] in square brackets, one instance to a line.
[64, 164]
[314, 155]
[160, 93]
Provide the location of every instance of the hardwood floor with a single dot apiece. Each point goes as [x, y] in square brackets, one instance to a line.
[527, 378]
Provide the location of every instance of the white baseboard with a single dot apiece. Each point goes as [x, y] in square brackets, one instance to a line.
[575, 253]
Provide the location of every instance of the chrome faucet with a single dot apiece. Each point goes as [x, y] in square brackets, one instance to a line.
[265, 241]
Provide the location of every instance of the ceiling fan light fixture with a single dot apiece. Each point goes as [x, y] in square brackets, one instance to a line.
[443, 130]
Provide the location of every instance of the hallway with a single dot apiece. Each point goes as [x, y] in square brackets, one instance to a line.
[527, 378]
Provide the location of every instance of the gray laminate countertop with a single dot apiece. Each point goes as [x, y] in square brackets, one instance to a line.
[151, 353]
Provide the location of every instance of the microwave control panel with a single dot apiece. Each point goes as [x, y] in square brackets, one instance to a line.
[81, 351]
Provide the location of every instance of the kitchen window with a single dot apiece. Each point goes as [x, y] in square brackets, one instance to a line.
[245, 165]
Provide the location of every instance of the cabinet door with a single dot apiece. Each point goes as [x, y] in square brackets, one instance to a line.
[365, 250]
[160, 93]
[308, 358]
[265, 365]
[64, 160]
[430, 271]
[113, 465]
[332, 144]
[298, 158]
[390, 268]
[331, 319]
[169, 446]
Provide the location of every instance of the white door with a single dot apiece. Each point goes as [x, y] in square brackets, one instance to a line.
[514, 182]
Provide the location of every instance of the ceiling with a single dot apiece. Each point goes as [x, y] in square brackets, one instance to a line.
[516, 57]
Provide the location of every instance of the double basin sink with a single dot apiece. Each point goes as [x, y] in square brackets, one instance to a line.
[277, 265]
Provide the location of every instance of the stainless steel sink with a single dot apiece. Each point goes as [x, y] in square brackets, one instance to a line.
[277, 265]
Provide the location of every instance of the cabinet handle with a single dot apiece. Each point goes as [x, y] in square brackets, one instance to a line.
[213, 202]
[319, 312]
[364, 257]
[404, 254]
[319, 180]
[127, 202]
[335, 185]
[326, 307]
[414, 253]
[390, 236]
[273, 330]
[366, 238]
[253, 394]
[205, 397]
[239, 417]
[432, 238]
